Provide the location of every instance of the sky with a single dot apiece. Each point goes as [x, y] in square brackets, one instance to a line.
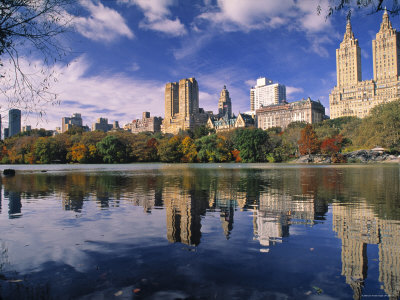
[123, 52]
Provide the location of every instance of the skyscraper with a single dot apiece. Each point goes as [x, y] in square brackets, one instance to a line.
[353, 97]
[224, 104]
[14, 122]
[266, 93]
[182, 110]
[68, 122]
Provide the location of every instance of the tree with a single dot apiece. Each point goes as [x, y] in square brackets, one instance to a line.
[212, 148]
[169, 149]
[112, 150]
[331, 146]
[308, 143]
[253, 144]
[31, 26]
[188, 149]
[349, 6]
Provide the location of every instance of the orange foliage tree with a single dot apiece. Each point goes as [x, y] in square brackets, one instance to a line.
[308, 143]
[332, 145]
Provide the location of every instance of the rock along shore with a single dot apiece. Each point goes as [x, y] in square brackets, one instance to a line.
[359, 156]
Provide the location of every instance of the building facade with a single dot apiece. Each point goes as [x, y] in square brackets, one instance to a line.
[182, 110]
[282, 115]
[102, 124]
[68, 122]
[225, 123]
[266, 93]
[354, 97]
[14, 122]
[224, 104]
[146, 124]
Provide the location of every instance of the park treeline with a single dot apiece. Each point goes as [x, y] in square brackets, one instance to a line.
[329, 137]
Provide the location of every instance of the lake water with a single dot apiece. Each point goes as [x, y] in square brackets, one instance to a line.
[200, 231]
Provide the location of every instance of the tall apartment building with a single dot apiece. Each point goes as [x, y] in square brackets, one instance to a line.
[68, 122]
[224, 104]
[14, 122]
[354, 97]
[182, 110]
[282, 115]
[266, 93]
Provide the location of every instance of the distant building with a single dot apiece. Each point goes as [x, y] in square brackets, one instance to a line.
[225, 123]
[6, 133]
[354, 97]
[69, 122]
[266, 93]
[26, 128]
[282, 115]
[182, 110]
[224, 104]
[146, 124]
[102, 124]
[14, 122]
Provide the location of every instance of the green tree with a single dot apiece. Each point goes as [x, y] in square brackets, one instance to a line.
[212, 148]
[112, 150]
[253, 144]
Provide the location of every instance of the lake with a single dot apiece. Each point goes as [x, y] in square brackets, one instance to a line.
[200, 231]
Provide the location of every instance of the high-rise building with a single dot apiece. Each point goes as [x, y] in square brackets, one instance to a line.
[68, 122]
[14, 122]
[182, 110]
[224, 104]
[266, 93]
[354, 97]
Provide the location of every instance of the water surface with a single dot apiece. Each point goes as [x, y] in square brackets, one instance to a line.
[229, 231]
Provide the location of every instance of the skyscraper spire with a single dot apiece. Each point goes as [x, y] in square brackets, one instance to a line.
[349, 35]
[386, 24]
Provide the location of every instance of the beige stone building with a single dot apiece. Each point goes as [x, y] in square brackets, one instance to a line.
[225, 123]
[283, 114]
[182, 110]
[354, 97]
[146, 124]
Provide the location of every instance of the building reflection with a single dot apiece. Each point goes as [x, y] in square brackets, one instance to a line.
[277, 211]
[357, 226]
[14, 203]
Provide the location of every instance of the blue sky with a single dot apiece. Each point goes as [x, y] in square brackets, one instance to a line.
[125, 51]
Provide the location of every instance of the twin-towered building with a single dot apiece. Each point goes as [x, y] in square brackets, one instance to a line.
[354, 97]
[182, 110]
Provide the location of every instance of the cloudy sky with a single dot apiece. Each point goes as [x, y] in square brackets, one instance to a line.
[123, 52]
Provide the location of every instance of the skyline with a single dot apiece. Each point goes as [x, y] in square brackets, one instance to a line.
[124, 52]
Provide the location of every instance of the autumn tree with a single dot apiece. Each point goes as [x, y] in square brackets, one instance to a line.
[333, 145]
[308, 143]
[188, 149]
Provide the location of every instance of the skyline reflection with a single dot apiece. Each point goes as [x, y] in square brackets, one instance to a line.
[362, 209]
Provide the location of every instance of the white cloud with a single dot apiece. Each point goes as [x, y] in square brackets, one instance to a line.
[103, 23]
[157, 16]
[117, 97]
[290, 90]
[257, 14]
[238, 15]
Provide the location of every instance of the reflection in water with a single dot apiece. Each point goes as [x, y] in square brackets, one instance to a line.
[357, 226]
[14, 203]
[363, 203]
